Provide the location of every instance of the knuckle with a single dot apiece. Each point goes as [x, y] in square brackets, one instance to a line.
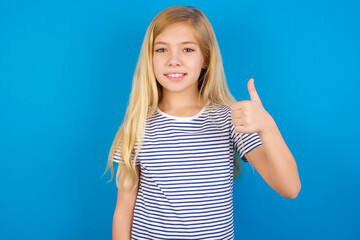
[234, 106]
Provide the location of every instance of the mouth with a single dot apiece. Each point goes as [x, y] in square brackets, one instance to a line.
[175, 76]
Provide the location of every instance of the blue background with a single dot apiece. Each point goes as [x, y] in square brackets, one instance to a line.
[66, 69]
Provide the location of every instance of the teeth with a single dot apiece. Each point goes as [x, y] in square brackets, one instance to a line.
[176, 75]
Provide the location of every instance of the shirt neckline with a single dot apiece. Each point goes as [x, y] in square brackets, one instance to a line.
[182, 118]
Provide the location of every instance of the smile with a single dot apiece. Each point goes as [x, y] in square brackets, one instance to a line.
[175, 76]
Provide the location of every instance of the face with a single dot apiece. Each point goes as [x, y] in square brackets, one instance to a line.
[177, 59]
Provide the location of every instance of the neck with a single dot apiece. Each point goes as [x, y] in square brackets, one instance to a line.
[177, 101]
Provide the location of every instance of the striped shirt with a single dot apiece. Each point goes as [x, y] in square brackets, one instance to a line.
[186, 175]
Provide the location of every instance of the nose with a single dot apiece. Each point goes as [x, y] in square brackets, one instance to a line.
[174, 59]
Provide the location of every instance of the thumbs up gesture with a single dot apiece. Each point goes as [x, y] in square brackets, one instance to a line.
[250, 116]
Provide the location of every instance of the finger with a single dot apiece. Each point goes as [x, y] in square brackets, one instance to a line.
[239, 105]
[237, 114]
[235, 106]
[239, 122]
[252, 91]
[242, 129]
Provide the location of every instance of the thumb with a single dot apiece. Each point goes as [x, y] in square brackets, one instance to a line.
[252, 91]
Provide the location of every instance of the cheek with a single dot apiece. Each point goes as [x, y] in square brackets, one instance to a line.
[197, 64]
[156, 66]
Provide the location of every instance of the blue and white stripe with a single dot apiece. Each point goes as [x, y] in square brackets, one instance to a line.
[186, 180]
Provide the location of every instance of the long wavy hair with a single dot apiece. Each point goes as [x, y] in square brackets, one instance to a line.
[146, 92]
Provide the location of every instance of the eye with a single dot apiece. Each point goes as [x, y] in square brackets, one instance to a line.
[160, 50]
[189, 50]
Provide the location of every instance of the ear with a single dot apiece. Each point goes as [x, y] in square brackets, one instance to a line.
[204, 66]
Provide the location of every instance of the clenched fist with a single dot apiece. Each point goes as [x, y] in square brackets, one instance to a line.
[250, 116]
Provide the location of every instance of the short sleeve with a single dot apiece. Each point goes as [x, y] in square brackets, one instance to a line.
[117, 156]
[244, 142]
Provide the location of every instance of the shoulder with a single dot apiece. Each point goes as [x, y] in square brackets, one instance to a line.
[219, 113]
[219, 109]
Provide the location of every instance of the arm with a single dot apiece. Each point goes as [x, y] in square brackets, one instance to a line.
[275, 163]
[124, 213]
[273, 160]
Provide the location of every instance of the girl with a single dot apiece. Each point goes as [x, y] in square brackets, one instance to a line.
[182, 134]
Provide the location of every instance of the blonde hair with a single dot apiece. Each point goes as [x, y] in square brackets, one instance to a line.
[146, 91]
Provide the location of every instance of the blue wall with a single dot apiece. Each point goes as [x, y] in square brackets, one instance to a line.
[66, 69]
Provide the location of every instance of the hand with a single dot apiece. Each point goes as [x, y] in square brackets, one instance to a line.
[250, 116]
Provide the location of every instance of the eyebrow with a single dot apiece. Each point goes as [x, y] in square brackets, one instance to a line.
[187, 42]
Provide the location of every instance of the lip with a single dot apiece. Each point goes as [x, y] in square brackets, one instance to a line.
[176, 79]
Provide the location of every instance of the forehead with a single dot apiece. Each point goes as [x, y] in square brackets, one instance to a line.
[177, 33]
